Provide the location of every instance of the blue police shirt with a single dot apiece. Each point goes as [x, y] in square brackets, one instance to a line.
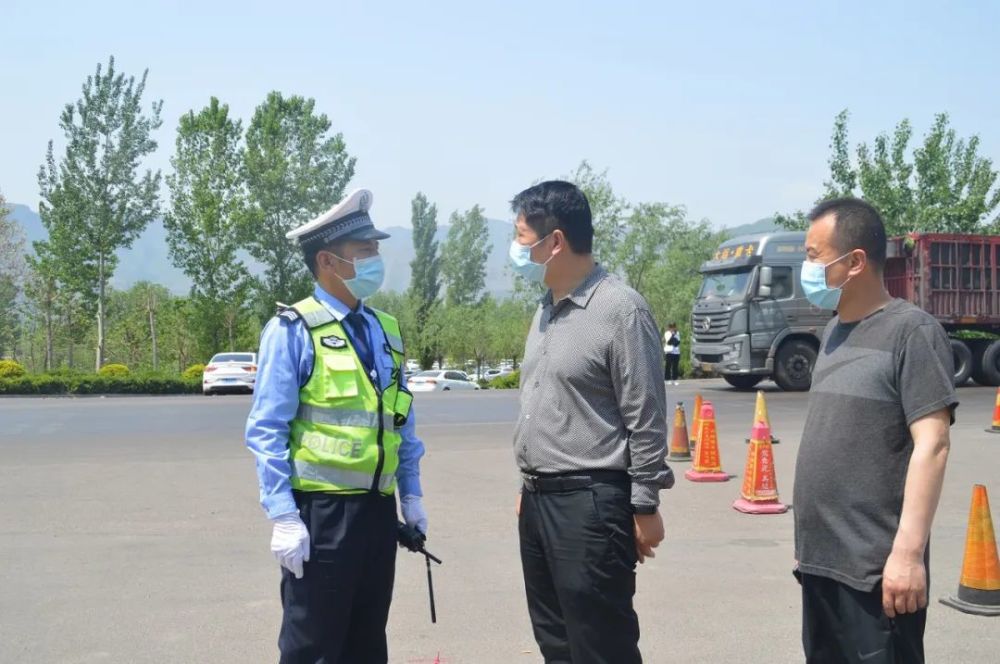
[284, 364]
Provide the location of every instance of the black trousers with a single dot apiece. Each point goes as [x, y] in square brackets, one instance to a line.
[841, 625]
[337, 612]
[578, 556]
[673, 367]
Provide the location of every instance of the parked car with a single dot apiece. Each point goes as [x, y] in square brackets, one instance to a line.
[230, 372]
[490, 374]
[441, 381]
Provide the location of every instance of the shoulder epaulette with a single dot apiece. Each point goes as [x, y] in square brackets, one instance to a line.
[287, 312]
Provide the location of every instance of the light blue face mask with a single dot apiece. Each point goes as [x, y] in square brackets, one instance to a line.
[369, 273]
[813, 280]
[520, 260]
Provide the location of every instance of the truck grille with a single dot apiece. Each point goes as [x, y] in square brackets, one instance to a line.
[710, 328]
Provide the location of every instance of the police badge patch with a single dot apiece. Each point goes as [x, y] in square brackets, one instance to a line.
[333, 341]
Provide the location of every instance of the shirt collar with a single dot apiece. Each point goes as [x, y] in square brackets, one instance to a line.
[581, 294]
[332, 304]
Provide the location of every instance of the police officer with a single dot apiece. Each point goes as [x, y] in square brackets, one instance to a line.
[333, 433]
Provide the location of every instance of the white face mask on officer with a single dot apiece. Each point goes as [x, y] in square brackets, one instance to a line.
[369, 274]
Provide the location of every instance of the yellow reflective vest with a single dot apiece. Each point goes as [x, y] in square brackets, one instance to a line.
[345, 437]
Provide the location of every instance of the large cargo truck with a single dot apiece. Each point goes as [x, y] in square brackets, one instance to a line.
[751, 320]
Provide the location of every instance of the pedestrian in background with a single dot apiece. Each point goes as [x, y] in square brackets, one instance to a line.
[672, 354]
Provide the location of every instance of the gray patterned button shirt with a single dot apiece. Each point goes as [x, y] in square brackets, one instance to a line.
[592, 393]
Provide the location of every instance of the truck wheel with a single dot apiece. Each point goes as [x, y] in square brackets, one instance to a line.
[991, 365]
[741, 382]
[963, 361]
[795, 362]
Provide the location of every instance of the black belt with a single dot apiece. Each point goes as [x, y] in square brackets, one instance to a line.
[572, 481]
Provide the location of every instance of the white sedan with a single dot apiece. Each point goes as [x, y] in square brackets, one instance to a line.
[230, 371]
[440, 381]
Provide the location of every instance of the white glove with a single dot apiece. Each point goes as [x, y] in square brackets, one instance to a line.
[290, 542]
[413, 512]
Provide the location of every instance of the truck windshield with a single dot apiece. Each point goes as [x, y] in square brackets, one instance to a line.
[725, 285]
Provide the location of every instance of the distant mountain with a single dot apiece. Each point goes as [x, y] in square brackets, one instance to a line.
[765, 225]
[148, 259]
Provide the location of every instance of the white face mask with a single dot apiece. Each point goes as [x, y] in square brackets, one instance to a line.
[520, 261]
[369, 273]
[818, 292]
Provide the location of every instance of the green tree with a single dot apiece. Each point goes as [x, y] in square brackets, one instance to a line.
[674, 281]
[509, 329]
[134, 319]
[94, 201]
[12, 274]
[648, 231]
[843, 177]
[207, 197]
[479, 324]
[946, 186]
[294, 170]
[608, 211]
[463, 257]
[43, 292]
[425, 279]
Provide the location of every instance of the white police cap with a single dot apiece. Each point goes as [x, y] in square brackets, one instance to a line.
[347, 220]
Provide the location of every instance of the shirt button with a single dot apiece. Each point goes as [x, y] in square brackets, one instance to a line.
[527, 417]
[536, 383]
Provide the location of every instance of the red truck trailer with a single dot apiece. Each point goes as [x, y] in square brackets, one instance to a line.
[956, 279]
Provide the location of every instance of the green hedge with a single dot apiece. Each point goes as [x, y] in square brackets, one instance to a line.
[68, 383]
[509, 381]
[11, 369]
[194, 372]
[114, 370]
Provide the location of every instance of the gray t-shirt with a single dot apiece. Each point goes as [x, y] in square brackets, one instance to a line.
[873, 378]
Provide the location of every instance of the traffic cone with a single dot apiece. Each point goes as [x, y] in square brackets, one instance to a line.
[696, 421]
[680, 447]
[996, 416]
[760, 415]
[707, 465]
[979, 586]
[760, 487]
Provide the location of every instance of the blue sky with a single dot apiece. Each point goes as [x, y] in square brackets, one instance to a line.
[724, 107]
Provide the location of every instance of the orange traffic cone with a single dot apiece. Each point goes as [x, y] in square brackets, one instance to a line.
[680, 448]
[760, 415]
[696, 421]
[979, 586]
[760, 487]
[707, 465]
[996, 416]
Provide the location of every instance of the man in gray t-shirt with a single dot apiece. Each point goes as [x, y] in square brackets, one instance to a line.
[873, 451]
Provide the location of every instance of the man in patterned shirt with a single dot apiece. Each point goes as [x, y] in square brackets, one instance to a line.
[591, 437]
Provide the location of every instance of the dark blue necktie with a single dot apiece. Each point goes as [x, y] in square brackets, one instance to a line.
[359, 335]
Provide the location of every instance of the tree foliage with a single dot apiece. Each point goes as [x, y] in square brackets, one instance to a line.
[463, 258]
[943, 185]
[95, 200]
[425, 279]
[207, 197]
[13, 271]
[294, 170]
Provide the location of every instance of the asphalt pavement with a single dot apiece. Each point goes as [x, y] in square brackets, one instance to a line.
[130, 532]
